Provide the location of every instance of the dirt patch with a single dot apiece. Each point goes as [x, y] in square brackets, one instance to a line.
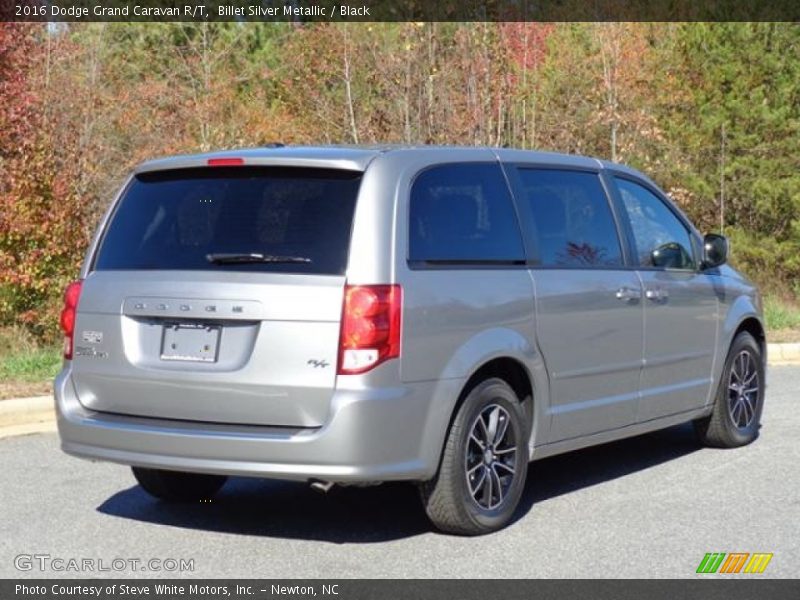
[25, 389]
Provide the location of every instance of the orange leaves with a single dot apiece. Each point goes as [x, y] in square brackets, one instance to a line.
[42, 221]
[525, 43]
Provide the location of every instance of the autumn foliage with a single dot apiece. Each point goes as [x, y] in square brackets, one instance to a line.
[42, 223]
[711, 111]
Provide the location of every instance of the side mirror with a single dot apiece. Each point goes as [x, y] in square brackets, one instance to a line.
[670, 256]
[715, 250]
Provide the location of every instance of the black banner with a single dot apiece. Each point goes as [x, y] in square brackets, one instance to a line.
[734, 588]
[397, 10]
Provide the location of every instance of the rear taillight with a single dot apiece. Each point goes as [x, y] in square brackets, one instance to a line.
[67, 321]
[370, 331]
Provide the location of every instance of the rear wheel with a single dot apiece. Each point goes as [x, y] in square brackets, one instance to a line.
[740, 398]
[484, 464]
[174, 486]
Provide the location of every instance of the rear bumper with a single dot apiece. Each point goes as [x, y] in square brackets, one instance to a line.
[372, 435]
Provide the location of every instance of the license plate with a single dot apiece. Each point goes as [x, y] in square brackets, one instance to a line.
[189, 342]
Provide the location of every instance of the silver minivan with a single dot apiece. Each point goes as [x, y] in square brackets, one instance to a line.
[349, 315]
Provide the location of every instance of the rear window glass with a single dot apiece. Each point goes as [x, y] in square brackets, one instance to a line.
[176, 219]
[463, 213]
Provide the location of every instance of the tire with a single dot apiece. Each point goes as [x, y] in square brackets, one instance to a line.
[174, 486]
[457, 500]
[736, 416]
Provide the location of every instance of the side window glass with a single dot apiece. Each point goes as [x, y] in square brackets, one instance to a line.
[661, 238]
[570, 218]
[463, 213]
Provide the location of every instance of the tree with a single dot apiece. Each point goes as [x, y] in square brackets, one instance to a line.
[743, 78]
[42, 231]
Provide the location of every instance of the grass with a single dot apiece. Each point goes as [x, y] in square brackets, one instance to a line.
[31, 365]
[781, 314]
[26, 367]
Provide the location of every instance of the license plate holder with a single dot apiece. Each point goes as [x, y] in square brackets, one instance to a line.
[190, 342]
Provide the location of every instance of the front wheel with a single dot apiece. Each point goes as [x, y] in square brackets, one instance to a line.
[740, 397]
[484, 463]
[174, 486]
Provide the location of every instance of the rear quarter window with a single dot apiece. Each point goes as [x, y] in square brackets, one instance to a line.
[463, 213]
[175, 219]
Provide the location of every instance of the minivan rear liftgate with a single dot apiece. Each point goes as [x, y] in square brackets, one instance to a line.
[216, 295]
[148, 345]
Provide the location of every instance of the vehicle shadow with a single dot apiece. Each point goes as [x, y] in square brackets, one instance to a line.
[390, 511]
[565, 473]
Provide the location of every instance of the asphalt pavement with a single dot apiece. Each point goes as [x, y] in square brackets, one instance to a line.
[650, 506]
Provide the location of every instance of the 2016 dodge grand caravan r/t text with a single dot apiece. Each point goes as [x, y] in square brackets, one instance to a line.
[435, 315]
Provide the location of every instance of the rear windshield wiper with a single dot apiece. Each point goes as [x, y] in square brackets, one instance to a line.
[228, 258]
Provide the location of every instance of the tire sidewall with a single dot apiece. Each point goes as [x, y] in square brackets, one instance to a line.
[744, 341]
[177, 486]
[492, 391]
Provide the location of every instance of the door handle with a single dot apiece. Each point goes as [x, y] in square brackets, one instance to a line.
[656, 294]
[628, 294]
